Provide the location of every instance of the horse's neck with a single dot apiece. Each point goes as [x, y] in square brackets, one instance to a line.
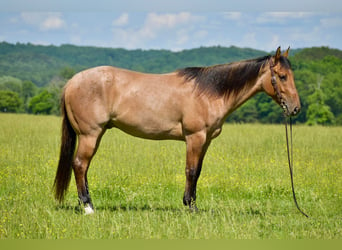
[235, 100]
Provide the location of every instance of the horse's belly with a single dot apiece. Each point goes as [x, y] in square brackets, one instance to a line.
[149, 127]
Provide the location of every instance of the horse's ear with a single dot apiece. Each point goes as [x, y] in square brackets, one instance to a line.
[286, 53]
[277, 55]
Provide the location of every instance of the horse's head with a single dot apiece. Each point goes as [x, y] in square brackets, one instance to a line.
[280, 85]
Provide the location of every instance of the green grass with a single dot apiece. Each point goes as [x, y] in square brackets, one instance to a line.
[137, 185]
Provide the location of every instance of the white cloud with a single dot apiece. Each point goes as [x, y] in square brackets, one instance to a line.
[158, 21]
[121, 20]
[174, 29]
[52, 23]
[30, 17]
[44, 20]
[281, 17]
[161, 22]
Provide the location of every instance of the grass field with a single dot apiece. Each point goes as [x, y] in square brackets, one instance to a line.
[137, 185]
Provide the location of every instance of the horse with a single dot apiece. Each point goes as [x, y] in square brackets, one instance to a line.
[189, 105]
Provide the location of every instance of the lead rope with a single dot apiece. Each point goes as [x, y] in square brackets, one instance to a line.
[290, 160]
[289, 154]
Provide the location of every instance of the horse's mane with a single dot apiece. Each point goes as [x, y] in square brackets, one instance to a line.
[229, 78]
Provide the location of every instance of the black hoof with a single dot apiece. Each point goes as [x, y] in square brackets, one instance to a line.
[193, 209]
[191, 204]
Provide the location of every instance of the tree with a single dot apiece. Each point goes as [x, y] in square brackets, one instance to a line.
[55, 89]
[9, 101]
[41, 103]
[28, 90]
[318, 112]
[67, 72]
[11, 84]
[247, 113]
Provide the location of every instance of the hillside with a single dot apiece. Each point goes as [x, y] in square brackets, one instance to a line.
[40, 64]
[317, 53]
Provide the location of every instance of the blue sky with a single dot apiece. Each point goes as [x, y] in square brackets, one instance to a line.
[152, 24]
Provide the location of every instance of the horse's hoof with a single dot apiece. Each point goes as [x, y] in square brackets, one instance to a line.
[88, 210]
[193, 209]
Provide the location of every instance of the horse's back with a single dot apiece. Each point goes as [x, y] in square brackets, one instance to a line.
[144, 105]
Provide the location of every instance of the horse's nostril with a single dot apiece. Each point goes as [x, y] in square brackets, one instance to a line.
[296, 110]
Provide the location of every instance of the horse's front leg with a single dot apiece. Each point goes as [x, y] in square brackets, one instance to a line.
[196, 147]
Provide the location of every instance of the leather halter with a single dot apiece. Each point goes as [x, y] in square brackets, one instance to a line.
[275, 87]
[274, 82]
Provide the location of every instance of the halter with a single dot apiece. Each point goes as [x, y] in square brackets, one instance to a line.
[275, 87]
[289, 150]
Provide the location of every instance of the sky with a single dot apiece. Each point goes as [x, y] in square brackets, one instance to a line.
[173, 25]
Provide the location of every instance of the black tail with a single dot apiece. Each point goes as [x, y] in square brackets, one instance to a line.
[68, 142]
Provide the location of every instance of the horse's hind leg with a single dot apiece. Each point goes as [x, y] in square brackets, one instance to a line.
[87, 146]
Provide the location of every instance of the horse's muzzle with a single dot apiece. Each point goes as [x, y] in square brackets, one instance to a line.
[290, 110]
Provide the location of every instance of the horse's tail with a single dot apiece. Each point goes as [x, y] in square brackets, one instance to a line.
[68, 142]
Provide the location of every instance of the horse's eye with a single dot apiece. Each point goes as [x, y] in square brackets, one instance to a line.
[283, 78]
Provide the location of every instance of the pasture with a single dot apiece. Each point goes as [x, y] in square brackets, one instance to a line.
[137, 185]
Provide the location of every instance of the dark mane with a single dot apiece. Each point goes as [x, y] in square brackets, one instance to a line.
[226, 78]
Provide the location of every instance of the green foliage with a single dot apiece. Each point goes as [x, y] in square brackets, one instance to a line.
[28, 90]
[318, 112]
[317, 54]
[42, 103]
[319, 84]
[55, 90]
[248, 113]
[10, 83]
[67, 72]
[23, 89]
[9, 101]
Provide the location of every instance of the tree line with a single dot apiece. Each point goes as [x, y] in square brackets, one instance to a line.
[32, 77]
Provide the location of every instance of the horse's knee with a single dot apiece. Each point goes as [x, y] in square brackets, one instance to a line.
[77, 165]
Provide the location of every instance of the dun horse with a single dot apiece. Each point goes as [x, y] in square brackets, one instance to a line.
[189, 105]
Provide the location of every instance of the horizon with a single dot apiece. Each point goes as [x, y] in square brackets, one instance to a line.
[212, 46]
